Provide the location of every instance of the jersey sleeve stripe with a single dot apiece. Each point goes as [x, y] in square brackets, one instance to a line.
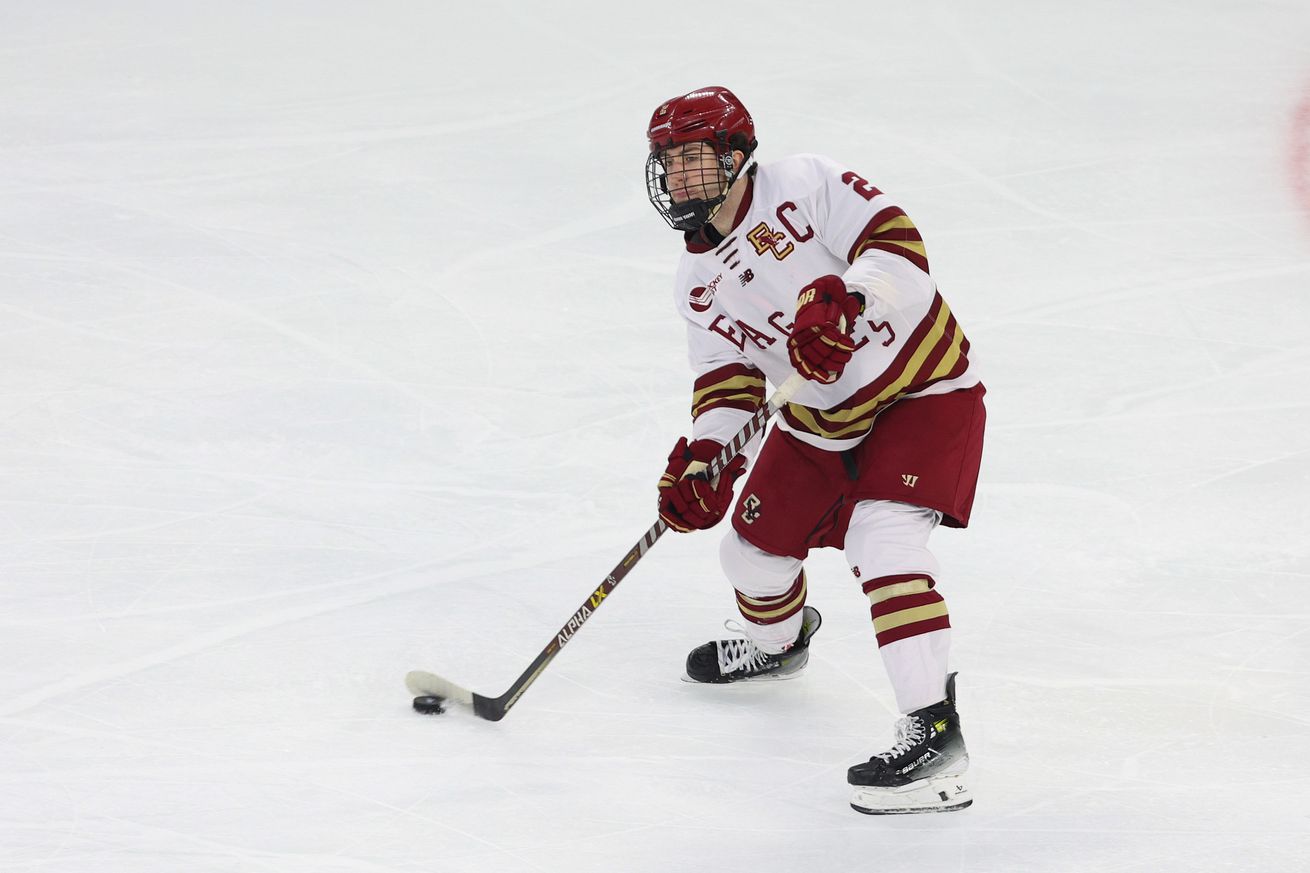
[891, 230]
[735, 386]
[936, 351]
[912, 252]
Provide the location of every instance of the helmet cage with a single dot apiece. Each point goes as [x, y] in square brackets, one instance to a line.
[712, 180]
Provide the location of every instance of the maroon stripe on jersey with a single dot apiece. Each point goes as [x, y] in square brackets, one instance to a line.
[922, 380]
[698, 241]
[909, 254]
[942, 622]
[853, 429]
[824, 419]
[893, 372]
[745, 404]
[921, 377]
[839, 422]
[887, 239]
[794, 422]
[746, 199]
[956, 371]
[883, 216]
[735, 386]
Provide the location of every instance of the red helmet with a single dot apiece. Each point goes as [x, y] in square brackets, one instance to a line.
[713, 116]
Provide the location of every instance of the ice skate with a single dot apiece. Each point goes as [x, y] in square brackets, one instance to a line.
[736, 660]
[923, 771]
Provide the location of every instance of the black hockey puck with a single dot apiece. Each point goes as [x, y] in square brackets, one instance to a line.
[429, 705]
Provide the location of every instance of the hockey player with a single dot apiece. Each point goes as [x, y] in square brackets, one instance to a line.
[802, 265]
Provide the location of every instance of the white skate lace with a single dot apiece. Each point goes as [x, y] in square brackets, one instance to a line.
[909, 732]
[740, 653]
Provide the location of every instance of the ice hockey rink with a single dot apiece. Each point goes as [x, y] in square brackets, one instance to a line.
[337, 340]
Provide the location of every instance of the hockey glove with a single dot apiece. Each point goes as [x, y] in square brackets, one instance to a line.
[820, 343]
[689, 501]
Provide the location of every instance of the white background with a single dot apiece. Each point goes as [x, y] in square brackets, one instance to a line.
[336, 339]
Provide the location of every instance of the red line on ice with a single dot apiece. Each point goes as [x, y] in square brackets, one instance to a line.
[1299, 155]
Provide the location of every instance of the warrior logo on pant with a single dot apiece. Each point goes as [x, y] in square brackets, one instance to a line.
[750, 509]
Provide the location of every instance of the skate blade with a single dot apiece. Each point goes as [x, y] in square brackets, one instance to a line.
[767, 677]
[938, 794]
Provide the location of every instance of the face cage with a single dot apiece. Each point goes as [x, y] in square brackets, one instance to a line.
[688, 214]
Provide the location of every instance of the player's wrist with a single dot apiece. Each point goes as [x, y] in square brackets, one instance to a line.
[856, 292]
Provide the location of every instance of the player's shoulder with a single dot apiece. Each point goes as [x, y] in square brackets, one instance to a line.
[693, 285]
[802, 169]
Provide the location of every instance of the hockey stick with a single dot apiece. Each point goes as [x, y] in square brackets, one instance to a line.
[428, 685]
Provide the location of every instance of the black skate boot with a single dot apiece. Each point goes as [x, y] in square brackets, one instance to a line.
[923, 771]
[720, 661]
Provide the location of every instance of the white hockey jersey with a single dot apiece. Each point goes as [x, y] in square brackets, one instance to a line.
[804, 217]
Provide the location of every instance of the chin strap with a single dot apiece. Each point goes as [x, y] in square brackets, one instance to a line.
[747, 169]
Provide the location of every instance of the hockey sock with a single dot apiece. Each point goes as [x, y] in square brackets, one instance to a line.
[913, 630]
[774, 622]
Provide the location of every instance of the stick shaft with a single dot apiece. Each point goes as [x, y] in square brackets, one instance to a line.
[494, 709]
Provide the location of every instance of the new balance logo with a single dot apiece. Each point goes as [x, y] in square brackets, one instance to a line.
[909, 481]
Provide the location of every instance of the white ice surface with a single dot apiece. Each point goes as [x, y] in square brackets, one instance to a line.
[336, 340]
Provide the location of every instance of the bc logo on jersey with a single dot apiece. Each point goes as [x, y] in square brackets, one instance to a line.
[766, 239]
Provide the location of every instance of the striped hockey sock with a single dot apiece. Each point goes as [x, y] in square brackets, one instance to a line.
[913, 630]
[905, 606]
[775, 620]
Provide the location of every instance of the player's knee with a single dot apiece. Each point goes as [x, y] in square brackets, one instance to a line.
[888, 538]
[755, 570]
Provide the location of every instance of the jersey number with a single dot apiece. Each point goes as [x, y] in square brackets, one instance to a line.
[861, 187]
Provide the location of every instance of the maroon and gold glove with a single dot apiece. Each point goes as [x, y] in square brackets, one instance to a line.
[689, 501]
[820, 343]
